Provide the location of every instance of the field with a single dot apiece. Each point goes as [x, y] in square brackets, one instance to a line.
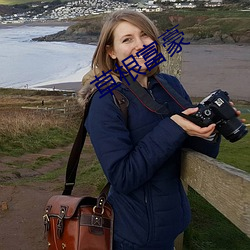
[24, 130]
[34, 148]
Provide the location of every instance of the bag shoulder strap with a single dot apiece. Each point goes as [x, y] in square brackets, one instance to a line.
[122, 102]
[75, 153]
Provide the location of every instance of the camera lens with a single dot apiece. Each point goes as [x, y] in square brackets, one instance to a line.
[238, 133]
[233, 130]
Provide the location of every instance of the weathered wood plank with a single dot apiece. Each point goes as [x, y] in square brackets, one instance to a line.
[223, 186]
[172, 65]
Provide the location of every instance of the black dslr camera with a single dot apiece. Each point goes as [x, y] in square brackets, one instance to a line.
[216, 109]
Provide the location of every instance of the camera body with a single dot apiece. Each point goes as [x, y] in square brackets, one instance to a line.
[216, 109]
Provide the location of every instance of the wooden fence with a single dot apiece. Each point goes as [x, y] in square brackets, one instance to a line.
[66, 109]
[52, 109]
[223, 186]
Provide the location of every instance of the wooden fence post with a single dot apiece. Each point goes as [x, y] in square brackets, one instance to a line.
[172, 65]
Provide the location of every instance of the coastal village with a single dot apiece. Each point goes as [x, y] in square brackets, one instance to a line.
[61, 11]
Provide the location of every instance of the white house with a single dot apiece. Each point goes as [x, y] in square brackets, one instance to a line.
[213, 3]
[184, 5]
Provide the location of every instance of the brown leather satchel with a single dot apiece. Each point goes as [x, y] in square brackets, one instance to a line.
[80, 223]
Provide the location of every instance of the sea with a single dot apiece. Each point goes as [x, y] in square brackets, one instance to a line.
[26, 64]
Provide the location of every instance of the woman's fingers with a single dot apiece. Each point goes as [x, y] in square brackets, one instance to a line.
[190, 128]
[190, 111]
[203, 132]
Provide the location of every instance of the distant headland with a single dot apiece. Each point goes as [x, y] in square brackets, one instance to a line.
[198, 27]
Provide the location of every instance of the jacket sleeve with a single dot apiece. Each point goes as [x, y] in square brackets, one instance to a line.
[125, 165]
[209, 148]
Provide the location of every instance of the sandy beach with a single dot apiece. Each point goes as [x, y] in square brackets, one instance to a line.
[206, 68]
[69, 86]
[209, 67]
[48, 23]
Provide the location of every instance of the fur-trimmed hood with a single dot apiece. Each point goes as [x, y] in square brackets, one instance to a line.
[88, 89]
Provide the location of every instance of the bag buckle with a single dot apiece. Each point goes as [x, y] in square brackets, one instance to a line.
[46, 221]
[96, 221]
[59, 224]
[95, 212]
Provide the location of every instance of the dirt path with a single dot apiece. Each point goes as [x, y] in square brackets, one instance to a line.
[21, 224]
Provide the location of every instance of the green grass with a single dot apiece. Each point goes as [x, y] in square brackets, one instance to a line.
[90, 176]
[51, 176]
[237, 154]
[91, 173]
[29, 131]
[209, 229]
[34, 142]
[39, 162]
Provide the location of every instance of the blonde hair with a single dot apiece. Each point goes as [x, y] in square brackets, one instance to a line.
[101, 59]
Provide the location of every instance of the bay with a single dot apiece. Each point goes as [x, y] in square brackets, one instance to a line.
[27, 64]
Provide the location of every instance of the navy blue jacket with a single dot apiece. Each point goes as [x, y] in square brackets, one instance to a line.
[142, 163]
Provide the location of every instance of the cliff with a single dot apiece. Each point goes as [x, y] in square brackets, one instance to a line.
[85, 31]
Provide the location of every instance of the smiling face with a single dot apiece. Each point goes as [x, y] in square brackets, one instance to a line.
[111, 49]
[128, 39]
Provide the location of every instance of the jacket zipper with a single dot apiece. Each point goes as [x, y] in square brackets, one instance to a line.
[151, 93]
[148, 204]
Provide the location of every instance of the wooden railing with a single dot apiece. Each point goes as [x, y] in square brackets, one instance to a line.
[223, 186]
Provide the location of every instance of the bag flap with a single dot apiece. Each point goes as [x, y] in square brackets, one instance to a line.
[68, 203]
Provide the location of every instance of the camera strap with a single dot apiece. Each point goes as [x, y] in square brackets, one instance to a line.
[146, 100]
[180, 100]
[144, 97]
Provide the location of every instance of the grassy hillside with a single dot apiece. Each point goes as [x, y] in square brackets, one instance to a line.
[215, 26]
[226, 26]
[13, 2]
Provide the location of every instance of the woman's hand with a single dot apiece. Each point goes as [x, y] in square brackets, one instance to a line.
[190, 128]
[238, 113]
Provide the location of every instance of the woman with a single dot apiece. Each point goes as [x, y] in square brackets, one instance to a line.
[141, 156]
